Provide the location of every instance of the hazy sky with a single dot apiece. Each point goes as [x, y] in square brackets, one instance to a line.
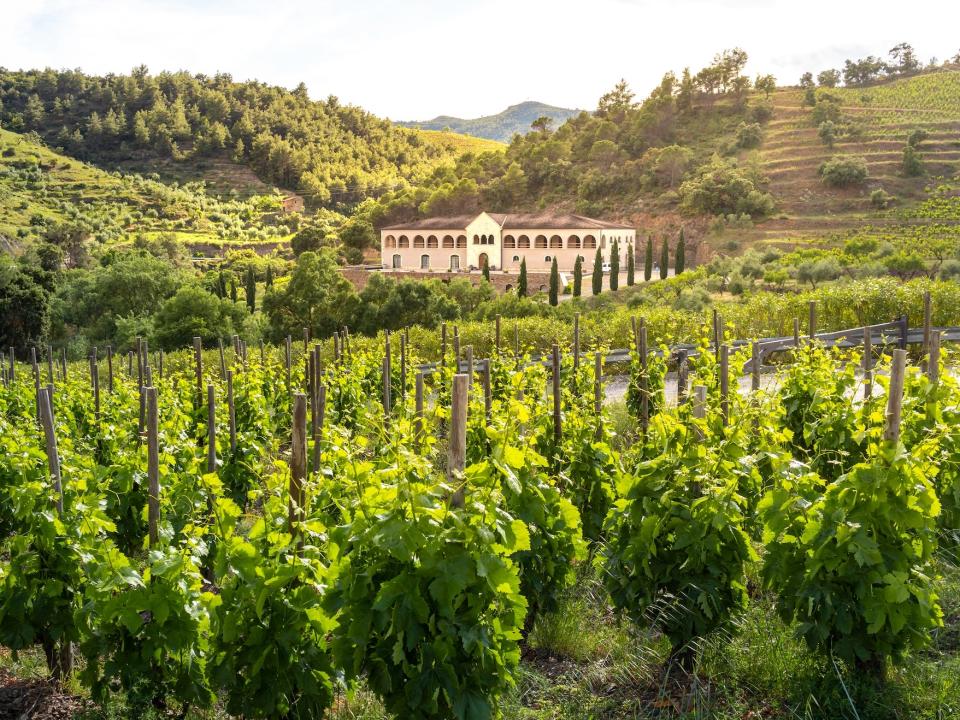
[413, 59]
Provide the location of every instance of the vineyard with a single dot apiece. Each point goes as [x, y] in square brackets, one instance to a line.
[261, 533]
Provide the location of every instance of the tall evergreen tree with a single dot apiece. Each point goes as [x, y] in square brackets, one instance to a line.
[664, 259]
[681, 256]
[554, 283]
[268, 283]
[614, 265]
[486, 269]
[578, 276]
[221, 285]
[648, 260]
[598, 273]
[233, 290]
[631, 263]
[522, 280]
[251, 290]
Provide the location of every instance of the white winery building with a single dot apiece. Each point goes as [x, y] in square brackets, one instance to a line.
[503, 240]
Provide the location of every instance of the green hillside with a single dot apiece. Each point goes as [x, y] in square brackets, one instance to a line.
[502, 126]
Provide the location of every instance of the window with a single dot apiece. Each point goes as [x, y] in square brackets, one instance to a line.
[454, 262]
[432, 242]
[418, 241]
[556, 241]
[509, 241]
[540, 241]
[573, 241]
[403, 242]
[390, 242]
[396, 261]
[547, 258]
[476, 239]
[516, 258]
[424, 262]
[461, 241]
[523, 241]
[590, 242]
[448, 241]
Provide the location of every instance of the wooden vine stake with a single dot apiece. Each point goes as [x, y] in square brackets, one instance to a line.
[644, 380]
[153, 468]
[418, 419]
[487, 390]
[576, 342]
[557, 397]
[223, 359]
[867, 363]
[457, 453]
[403, 367]
[812, 322]
[386, 374]
[598, 390]
[456, 347]
[699, 407]
[318, 423]
[725, 383]
[682, 373]
[298, 465]
[755, 366]
[232, 411]
[927, 327]
[933, 360]
[468, 351]
[13, 367]
[891, 432]
[287, 352]
[110, 369]
[95, 381]
[443, 344]
[796, 332]
[211, 429]
[198, 362]
[50, 364]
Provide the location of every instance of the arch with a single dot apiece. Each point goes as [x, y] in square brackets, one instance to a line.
[403, 241]
[509, 241]
[516, 258]
[540, 241]
[390, 242]
[418, 241]
[547, 258]
[397, 261]
[590, 242]
[432, 242]
[424, 262]
[461, 241]
[476, 239]
[481, 258]
[556, 241]
[523, 241]
[573, 242]
[454, 263]
[448, 241]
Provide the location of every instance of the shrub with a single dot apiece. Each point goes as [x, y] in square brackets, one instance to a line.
[916, 137]
[843, 171]
[881, 199]
[748, 135]
[912, 162]
[721, 187]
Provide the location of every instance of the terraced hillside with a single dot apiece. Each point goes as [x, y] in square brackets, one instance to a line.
[874, 124]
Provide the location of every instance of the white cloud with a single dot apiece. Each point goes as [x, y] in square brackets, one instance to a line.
[421, 58]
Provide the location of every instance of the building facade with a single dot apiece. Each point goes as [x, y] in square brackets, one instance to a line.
[463, 243]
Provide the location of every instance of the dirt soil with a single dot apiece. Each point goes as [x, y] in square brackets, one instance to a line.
[37, 699]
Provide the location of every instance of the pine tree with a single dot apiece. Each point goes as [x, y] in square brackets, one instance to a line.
[554, 283]
[522, 281]
[578, 276]
[664, 259]
[268, 283]
[648, 260]
[614, 265]
[681, 256]
[486, 269]
[631, 263]
[251, 290]
[598, 273]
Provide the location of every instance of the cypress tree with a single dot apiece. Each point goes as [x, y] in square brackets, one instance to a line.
[664, 259]
[486, 269]
[554, 283]
[221, 285]
[648, 260]
[578, 276]
[269, 281]
[598, 273]
[631, 262]
[233, 290]
[522, 281]
[681, 256]
[614, 265]
[251, 290]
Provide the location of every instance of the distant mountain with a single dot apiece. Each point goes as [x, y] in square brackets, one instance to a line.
[502, 126]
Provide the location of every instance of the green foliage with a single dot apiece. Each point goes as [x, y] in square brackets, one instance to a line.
[578, 276]
[631, 265]
[486, 268]
[614, 265]
[522, 278]
[24, 308]
[843, 171]
[721, 187]
[664, 259]
[193, 312]
[912, 163]
[680, 258]
[597, 278]
[648, 260]
[554, 283]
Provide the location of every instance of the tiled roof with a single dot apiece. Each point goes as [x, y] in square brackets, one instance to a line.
[514, 221]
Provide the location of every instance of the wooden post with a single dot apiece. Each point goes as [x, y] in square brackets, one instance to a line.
[287, 352]
[725, 383]
[457, 455]
[456, 347]
[298, 463]
[598, 390]
[139, 350]
[233, 412]
[403, 367]
[13, 370]
[318, 423]
[223, 359]
[682, 372]
[699, 407]
[36, 377]
[557, 396]
[576, 342]
[636, 334]
[812, 322]
[468, 351]
[755, 366]
[95, 380]
[644, 381]
[386, 374]
[867, 363]
[198, 363]
[933, 360]
[796, 332]
[306, 339]
[50, 364]
[211, 429]
[153, 468]
[130, 363]
[487, 391]
[891, 432]
[418, 420]
[63, 360]
[904, 331]
[345, 341]
[927, 325]
[161, 364]
[110, 369]
[50, 434]
[716, 332]
[443, 344]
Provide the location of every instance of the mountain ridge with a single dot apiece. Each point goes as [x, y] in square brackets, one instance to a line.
[501, 126]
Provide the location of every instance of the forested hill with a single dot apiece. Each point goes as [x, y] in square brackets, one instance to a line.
[502, 126]
[176, 123]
